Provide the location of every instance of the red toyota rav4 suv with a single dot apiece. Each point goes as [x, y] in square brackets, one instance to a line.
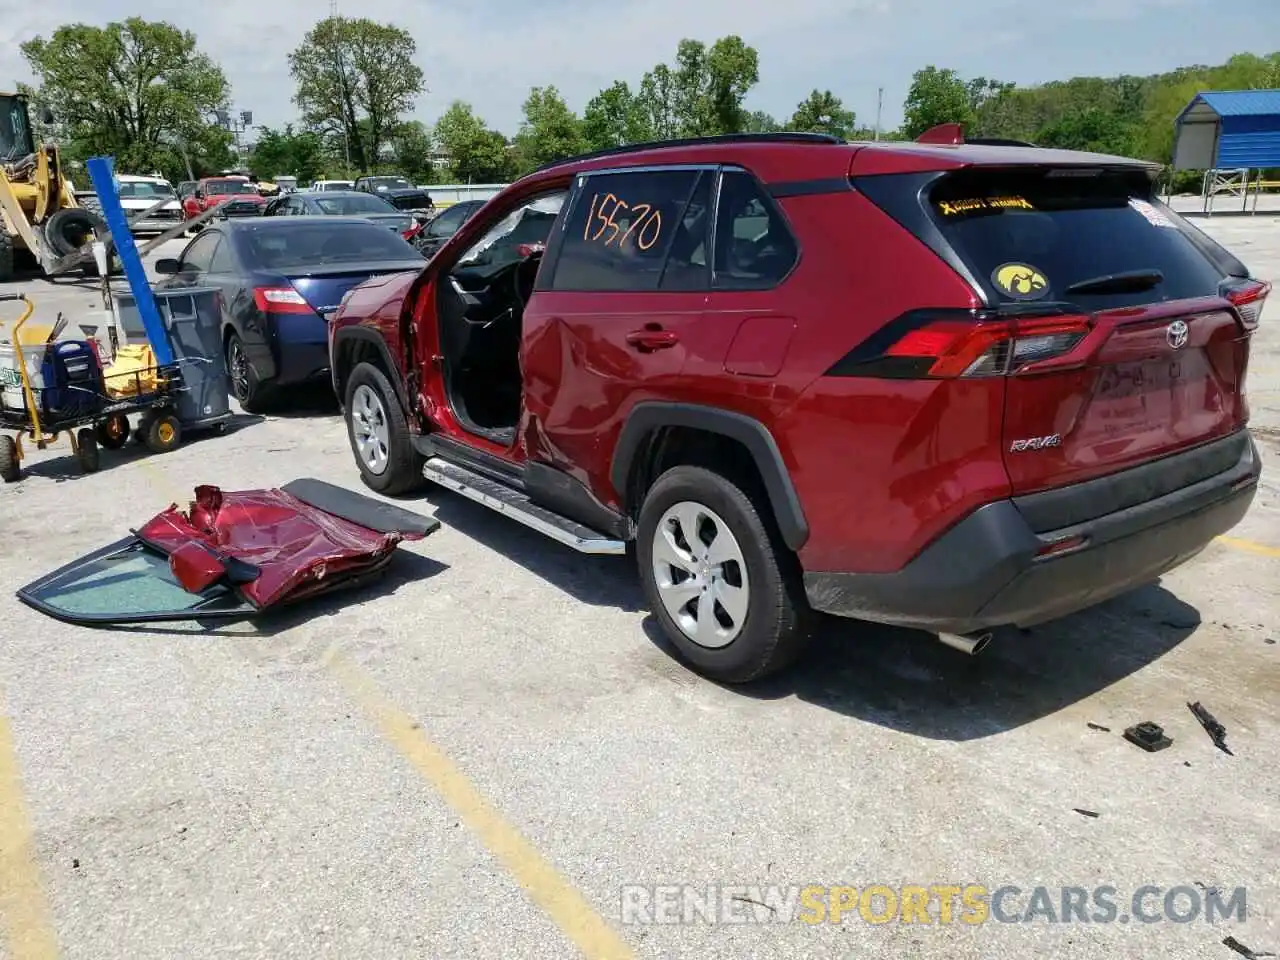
[940, 384]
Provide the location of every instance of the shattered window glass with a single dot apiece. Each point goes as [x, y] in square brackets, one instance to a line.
[125, 581]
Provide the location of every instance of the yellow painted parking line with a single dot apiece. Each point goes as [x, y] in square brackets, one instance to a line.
[1250, 547]
[24, 909]
[544, 885]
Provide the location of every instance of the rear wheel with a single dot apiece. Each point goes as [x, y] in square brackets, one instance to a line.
[379, 433]
[6, 256]
[727, 593]
[249, 391]
[164, 433]
[10, 466]
[71, 228]
[87, 451]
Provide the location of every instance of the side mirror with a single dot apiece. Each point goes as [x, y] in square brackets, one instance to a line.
[167, 266]
[46, 115]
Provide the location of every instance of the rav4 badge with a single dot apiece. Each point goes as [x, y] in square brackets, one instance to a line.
[1036, 443]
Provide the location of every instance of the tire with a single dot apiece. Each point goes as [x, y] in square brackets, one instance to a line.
[6, 256]
[752, 636]
[164, 433]
[10, 466]
[70, 229]
[250, 392]
[113, 433]
[379, 433]
[87, 450]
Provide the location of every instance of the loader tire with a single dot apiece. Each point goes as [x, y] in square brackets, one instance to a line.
[6, 256]
[70, 229]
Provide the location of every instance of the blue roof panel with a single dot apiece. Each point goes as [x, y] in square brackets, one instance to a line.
[1243, 103]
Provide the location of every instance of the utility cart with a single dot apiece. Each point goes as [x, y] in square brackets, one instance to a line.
[59, 387]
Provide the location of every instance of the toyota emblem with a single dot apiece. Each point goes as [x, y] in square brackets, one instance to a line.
[1177, 334]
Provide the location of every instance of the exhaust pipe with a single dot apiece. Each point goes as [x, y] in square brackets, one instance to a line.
[970, 643]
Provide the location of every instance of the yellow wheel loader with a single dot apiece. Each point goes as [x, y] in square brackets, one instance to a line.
[38, 208]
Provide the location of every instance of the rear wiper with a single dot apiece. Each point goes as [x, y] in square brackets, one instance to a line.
[1131, 280]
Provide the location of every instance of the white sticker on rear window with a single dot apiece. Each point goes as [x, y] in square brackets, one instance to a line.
[1150, 213]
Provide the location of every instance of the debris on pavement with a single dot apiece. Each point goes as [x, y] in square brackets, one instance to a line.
[1087, 813]
[1098, 726]
[1217, 732]
[1147, 735]
[1244, 951]
[232, 554]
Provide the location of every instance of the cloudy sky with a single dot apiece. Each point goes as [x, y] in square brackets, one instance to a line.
[490, 52]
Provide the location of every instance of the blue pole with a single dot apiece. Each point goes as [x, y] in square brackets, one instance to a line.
[103, 176]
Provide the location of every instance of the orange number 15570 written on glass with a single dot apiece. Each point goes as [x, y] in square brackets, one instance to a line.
[646, 222]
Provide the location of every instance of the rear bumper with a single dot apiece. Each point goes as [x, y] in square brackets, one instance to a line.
[984, 571]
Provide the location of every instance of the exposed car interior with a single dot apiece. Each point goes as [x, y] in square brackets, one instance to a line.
[481, 309]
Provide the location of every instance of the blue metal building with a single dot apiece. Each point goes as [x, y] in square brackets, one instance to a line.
[1229, 130]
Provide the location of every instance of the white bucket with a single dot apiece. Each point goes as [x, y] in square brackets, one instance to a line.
[11, 393]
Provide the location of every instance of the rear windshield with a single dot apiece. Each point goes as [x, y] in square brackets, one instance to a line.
[293, 244]
[353, 205]
[411, 201]
[1031, 234]
[222, 188]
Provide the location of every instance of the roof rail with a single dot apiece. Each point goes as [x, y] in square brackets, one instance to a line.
[952, 134]
[698, 142]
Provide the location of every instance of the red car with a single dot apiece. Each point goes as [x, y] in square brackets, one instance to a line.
[241, 197]
[945, 385]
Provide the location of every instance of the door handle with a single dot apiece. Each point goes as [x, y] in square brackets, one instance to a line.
[652, 338]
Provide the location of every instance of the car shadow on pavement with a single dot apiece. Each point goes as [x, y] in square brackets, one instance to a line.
[907, 681]
[599, 581]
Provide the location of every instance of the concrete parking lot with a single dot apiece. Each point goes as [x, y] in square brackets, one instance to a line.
[490, 754]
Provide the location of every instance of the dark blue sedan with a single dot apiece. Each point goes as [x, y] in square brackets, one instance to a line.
[280, 278]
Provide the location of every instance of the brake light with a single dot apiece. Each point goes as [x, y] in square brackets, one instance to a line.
[1248, 297]
[414, 229]
[280, 300]
[978, 346]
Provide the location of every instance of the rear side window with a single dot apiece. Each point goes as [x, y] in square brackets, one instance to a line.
[623, 226]
[300, 244]
[1058, 235]
[754, 246]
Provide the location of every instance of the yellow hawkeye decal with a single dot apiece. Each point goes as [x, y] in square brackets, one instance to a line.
[1020, 281]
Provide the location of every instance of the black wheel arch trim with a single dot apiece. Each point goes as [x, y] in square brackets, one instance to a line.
[391, 369]
[651, 415]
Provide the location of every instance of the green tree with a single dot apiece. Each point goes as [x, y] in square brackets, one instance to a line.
[136, 90]
[411, 147]
[288, 153]
[710, 84]
[1098, 131]
[550, 131]
[356, 78]
[476, 153]
[936, 96]
[613, 117]
[760, 122]
[823, 112]
[657, 104]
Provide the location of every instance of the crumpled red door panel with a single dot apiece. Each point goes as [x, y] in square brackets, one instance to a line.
[291, 544]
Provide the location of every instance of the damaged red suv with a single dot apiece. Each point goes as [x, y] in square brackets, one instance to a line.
[946, 385]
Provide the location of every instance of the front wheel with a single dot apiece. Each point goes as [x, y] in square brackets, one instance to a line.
[727, 593]
[379, 433]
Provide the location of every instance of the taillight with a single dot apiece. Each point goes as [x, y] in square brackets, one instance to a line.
[280, 300]
[529, 249]
[413, 230]
[966, 344]
[1247, 297]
